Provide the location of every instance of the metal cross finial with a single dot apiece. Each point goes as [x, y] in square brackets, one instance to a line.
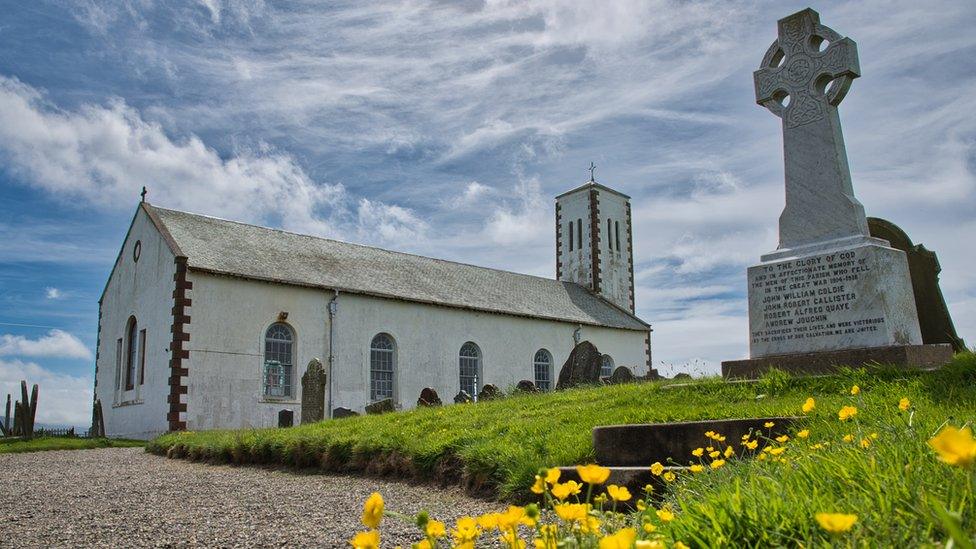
[592, 168]
[143, 193]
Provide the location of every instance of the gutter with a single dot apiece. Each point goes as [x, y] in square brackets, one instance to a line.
[333, 308]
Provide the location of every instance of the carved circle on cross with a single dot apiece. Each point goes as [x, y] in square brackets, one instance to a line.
[809, 67]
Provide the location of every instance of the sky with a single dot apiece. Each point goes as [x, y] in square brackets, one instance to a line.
[446, 128]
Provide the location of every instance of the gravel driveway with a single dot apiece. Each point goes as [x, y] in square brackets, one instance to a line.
[123, 497]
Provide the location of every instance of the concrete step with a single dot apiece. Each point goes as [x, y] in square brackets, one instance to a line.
[638, 446]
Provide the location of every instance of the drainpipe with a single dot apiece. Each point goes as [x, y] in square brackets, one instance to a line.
[333, 307]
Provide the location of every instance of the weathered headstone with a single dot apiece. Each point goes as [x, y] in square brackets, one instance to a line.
[830, 294]
[98, 420]
[6, 419]
[622, 374]
[489, 392]
[428, 398]
[340, 413]
[286, 418]
[381, 406]
[526, 386]
[582, 367]
[313, 392]
[462, 397]
[933, 314]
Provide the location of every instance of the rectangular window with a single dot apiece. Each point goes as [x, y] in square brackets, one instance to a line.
[609, 236]
[570, 236]
[616, 226]
[579, 233]
[118, 364]
[142, 357]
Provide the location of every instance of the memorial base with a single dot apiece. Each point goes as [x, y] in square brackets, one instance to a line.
[922, 357]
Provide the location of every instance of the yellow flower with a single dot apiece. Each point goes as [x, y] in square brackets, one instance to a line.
[816, 446]
[855, 390]
[720, 438]
[836, 523]
[955, 446]
[679, 545]
[714, 454]
[422, 544]
[618, 493]
[809, 405]
[649, 544]
[624, 539]
[657, 468]
[566, 489]
[903, 404]
[865, 442]
[600, 499]
[782, 439]
[571, 512]
[697, 452]
[669, 476]
[593, 474]
[874, 436]
[665, 515]
[846, 413]
[648, 488]
[709, 449]
[641, 505]
[436, 529]
[776, 451]
[848, 438]
[768, 424]
[465, 530]
[729, 451]
[752, 444]
[552, 475]
[710, 434]
[745, 437]
[648, 528]
[511, 541]
[761, 457]
[514, 516]
[803, 434]
[366, 540]
[696, 468]
[373, 510]
[488, 521]
[539, 486]
[717, 463]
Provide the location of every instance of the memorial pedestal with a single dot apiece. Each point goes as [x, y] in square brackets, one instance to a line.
[922, 357]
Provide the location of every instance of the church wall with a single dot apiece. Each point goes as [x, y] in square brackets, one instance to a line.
[614, 264]
[577, 265]
[226, 364]
[429, 338]
[141, 289]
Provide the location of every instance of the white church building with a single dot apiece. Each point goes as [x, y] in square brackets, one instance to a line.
[206, 323]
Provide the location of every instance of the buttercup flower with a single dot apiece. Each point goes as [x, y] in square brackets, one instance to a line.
[836, 523]
[809, 405]
[855, 390]
[697, 452]
[488, 521]
[783, 438]
[373, 510]
[624, 539]
[566, 489]
[514, 516]
[717, 463]
[618, 493]
[552, 475]
[665, 515]
[679, 545]
[846, 413]
[768, 424]
[539, 486]
[668, 476]
[649, 544]
[848, 438]
[648, 528]
[776, 451]
[435, 529]
[904, 404]
[696, 468]
[465, 530]
[714, 454]
[366, 540]
[803, 434]
[641, 506]
[648, 488]
[729, 451]
[593, 474]
[657, 469]
[571, 512]
[865, 442]
[752, 444]
[955, 446]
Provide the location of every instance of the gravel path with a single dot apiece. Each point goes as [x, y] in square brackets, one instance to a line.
[123, 497]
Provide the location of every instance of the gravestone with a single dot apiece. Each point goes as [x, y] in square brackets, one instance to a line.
[286, 418]
[923, 265]
[526, 386]
[462, 397]
[830, 294]
[98, 420]
[381, 406]
[429, 398]
[313, 392]
[340, 413]
[582, 367]
[489, 392]
[622, 374]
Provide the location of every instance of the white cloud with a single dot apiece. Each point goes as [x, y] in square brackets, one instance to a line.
[53, 293]
[56, 343]
[61, 399]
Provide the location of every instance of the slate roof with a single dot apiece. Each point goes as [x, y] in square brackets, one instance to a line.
[237, 249]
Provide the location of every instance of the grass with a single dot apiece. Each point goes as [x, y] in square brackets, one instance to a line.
[899, 490]
[42, 444]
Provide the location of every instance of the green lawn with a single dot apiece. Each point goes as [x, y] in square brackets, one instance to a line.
[41, 444]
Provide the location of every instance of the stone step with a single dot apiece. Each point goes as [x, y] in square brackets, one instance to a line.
[626, 446]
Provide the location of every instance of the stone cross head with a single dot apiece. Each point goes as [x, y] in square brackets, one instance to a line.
[807, 70]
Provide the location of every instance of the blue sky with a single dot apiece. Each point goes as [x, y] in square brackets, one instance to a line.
[445, 128]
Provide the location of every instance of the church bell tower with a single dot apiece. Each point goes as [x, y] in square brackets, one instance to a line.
[594, 241]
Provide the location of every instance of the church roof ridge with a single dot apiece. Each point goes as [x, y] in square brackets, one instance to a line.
[590, 184]
[222, 246]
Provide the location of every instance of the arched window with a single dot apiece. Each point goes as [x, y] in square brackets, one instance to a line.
[606, 368]
[279, 343]
[542, 364]
[469, 363]
[132, 347]
[382, 360]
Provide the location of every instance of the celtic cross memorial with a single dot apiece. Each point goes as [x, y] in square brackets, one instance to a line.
[830, 294]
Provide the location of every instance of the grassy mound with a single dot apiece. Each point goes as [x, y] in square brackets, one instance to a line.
[41, 444]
